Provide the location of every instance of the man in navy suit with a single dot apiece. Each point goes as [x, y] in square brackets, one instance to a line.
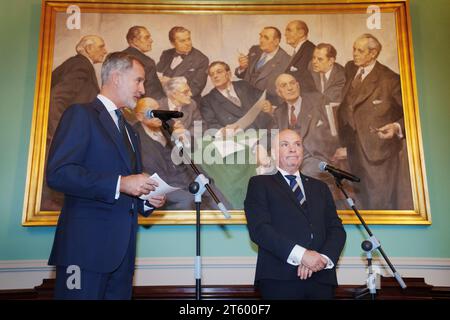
[95, 160]
[293, 220]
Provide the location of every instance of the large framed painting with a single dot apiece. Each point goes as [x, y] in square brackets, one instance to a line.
[340, 73]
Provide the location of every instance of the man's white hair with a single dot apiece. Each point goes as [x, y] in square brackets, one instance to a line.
[372, 44]
[86, 41]
[174, 84]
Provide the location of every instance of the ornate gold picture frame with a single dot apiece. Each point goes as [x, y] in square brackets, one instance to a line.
[222, 30]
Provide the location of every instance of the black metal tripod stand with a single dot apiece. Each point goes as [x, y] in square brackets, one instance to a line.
[374, 243]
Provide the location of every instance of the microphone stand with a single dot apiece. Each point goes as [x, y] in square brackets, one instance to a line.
[372, 277]
[372, 239]
[198, 187]
[180, 147]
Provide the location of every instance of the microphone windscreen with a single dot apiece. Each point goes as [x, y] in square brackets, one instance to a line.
[149, 114]
[322, 166]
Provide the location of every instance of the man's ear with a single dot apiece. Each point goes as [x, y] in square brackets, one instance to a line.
[278, 92]
[88, 49]
[373, 53]
[115, 78]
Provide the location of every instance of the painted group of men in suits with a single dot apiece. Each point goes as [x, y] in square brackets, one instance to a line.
[314, 68]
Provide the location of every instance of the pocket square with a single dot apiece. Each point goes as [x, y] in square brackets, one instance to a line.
[319, 123]
[377, 101]
[191, 69]
[293, 69]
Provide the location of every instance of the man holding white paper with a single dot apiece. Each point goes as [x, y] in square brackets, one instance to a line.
[95, 160]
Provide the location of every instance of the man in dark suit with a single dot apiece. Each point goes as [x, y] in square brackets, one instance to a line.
[183, 60]
[74, 81]
[296, 34]
[372, 130]
[230, 100]
[95, 160]
[263, 63]
[140, 41]
[293, 220]
[328, 76]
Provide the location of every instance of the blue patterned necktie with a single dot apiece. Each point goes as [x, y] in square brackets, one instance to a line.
[126, 140]
[295, 188]
[261, 62]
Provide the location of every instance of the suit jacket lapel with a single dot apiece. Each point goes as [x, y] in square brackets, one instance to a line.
[254, 58]
[368, 85]
[136, 145]
[268, 67]
[281, 183]
[227, 105]
[350, 75]
[308, 192]
[185, 64]
[283, 117]
[298, 54]
[304, 117]
[111, 129]
[331, 78]
[316, 78]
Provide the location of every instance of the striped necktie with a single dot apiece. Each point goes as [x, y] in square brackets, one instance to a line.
[295, 188]
[126, 139]
[293, 120]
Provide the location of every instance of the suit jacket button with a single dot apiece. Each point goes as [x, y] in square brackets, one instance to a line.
[131, 212]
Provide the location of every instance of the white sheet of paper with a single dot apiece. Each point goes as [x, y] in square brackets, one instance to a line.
[162, 189]
[330, 116]
[247, 119]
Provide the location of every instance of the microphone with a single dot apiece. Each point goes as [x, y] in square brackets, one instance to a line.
[337, 173]
[163, 115]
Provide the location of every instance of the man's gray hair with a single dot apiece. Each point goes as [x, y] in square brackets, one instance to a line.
[173, 84]
[373, 43]
[117, 61]
[84, 42]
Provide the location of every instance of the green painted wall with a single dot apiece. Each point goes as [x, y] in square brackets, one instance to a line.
[19, 33]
